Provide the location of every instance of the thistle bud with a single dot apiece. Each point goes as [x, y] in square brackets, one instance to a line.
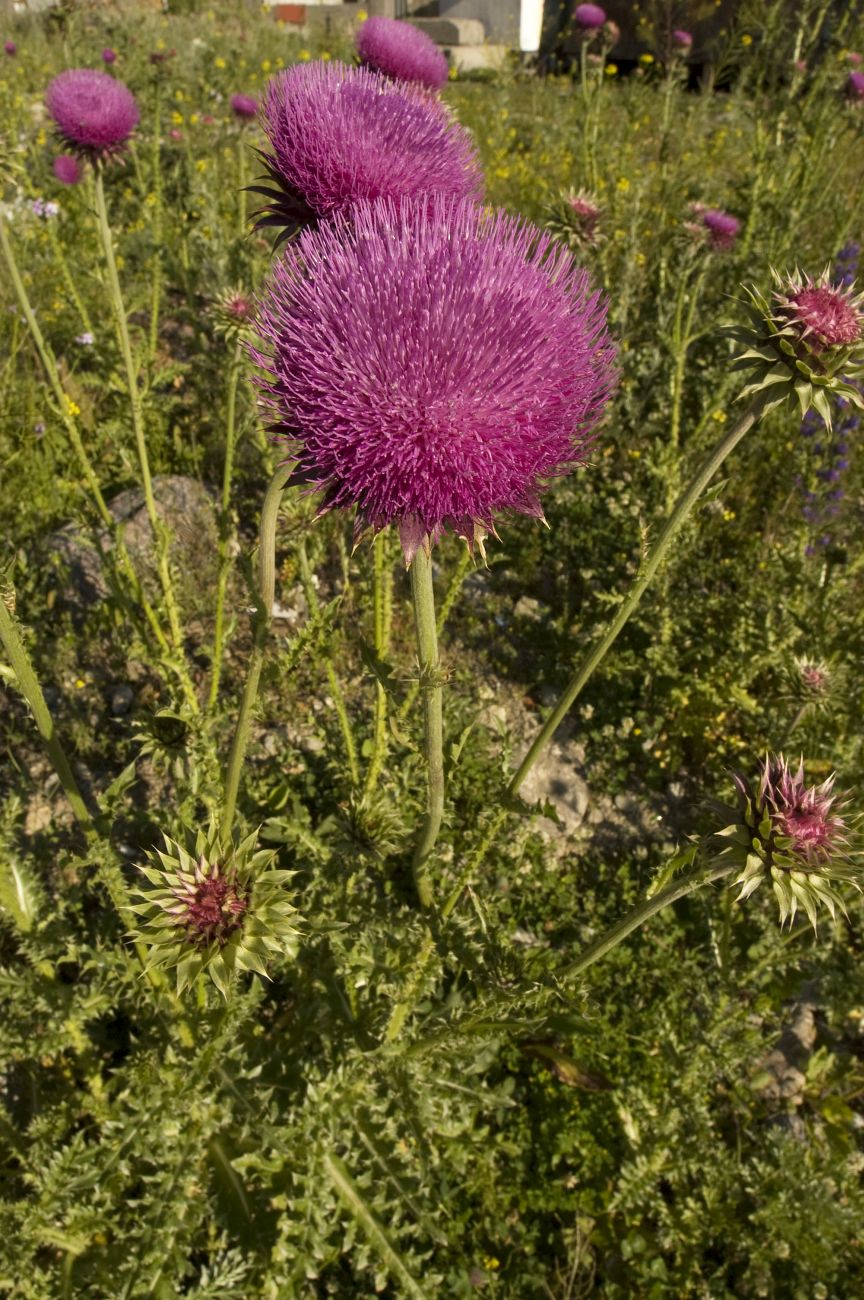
[214, 907]
[807, 341]
[233, 312]
[790, 834]
[576, 218]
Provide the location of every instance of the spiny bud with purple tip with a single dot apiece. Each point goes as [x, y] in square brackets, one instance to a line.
[790, 834]
[244, 107]
[576, 218]
[402, 52]
[589, 18]
[807, 341]
[718, 229]
[681, 40]
[339, 134]
[10, 48]
[433, 365]
[94, 114]
[67, 169]
[213, 907]
[233, 313]
[109, 56]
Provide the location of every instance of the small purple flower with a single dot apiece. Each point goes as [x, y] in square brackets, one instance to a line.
[44, 208]
[94, 114]
[86, 339]
[109, 55]
[855, 86]
[433, 365]
[588, 18]
[682, 40]
[11, 48]
[340, 134]
[67, 169]
[718, 227]
[401, 51]
[244, 107]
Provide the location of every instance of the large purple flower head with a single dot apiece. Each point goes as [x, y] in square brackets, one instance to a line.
[433, 365]
[94, 114]
[341, 134]
[67, 169]
[401, 51]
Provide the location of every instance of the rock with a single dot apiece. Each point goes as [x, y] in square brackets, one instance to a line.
[528, 608]
[554, 778]
[187, 509]
[122, 699]
[784, 1067]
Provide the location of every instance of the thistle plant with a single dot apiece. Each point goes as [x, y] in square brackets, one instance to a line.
[791, 835]
[402, 52]
[214, 905]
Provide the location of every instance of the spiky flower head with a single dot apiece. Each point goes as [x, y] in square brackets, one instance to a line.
[339, 134]
[94, 114]
[433, 365]
[401, 51]
[681, 40]
[214, 907]
[108, 55]
[718, 229]
[589, 18]
[233, 313]
[10, 48]
[67, 169]
[855, 87]
[807, 341]
[576, 217]
[791, 834]
[244, 107]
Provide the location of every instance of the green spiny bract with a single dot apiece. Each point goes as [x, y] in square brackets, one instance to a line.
[216, 906]
[790, 834]
[807, 341]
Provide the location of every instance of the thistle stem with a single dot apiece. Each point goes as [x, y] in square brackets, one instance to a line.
[71, 287]
[598, 651]
[28, 684]
[225, 529]
[156, 270]
[263, 616]
[382, 600]
[332, 680]
[433, 721]
[159, 532]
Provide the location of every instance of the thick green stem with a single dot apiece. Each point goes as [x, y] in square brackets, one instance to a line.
[156, 268]
[159, 532]
[444, 609]
[332, 680]
[29, 687]
[433, 719]
[382, 601]
[263, 615]
[226, 533]
[598, 651]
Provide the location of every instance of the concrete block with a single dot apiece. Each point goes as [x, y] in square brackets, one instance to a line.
[452, 31]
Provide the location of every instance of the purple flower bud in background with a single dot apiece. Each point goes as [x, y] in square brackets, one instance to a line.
[94, 114]
[854, 59]
[800, 65]
[855, 86]
[401, 51]
[108, 55]
[433, 365]
[66, 169]
[718, 227]
[341, 134]
[588, 18]
[244, 107]
[11, 48]
[682, 40]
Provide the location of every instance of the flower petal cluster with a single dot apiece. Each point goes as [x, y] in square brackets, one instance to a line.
[433, 365]
[717, 228]
[791, 834]
[94, 114]
[808, 340]
[67, 169]
[401, 51]
[588, 18]
[213, 907]
[340, 134]
[577, 218]
[244, 107]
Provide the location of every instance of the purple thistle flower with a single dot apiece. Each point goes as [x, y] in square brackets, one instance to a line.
[94, 114]
[720, 227]
[588, 18]
[209, 906]
[820, 313]
[11, 48]
[244, 107]
[802, 815]
[340, 134]
[109, 55]
[433, 365]
[401, 51]
[66, 168]
[855, 86]
[682, 40]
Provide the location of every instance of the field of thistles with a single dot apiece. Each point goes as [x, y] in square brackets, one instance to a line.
[431, 633]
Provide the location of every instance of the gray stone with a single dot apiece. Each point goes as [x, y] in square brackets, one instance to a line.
[555, 779]
[498, 20]
[122, 699]
[452, 31]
